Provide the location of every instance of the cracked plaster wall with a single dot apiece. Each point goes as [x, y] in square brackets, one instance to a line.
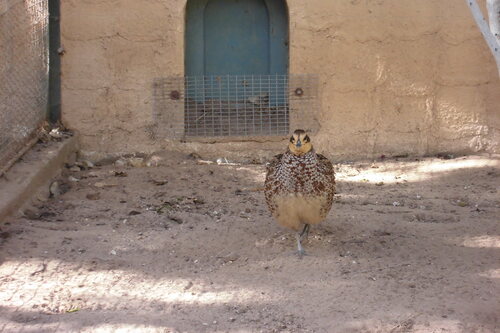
[396, 76]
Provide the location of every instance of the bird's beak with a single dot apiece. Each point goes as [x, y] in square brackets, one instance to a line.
[299, 144]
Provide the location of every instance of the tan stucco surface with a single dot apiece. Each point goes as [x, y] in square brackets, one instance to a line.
[396, 76]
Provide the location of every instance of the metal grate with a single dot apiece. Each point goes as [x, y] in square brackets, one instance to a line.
[231, 105]
[23, 73]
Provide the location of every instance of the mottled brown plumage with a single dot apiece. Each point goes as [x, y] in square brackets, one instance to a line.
[299, 186]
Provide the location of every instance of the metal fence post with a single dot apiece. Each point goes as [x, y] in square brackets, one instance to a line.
[54, 100]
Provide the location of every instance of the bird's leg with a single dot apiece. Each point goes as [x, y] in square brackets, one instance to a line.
[301, 236]
[305, 232]
[300, 249]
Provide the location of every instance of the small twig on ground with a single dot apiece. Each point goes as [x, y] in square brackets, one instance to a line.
[405, 325]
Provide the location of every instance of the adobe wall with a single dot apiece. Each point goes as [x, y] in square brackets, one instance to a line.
[395, 76]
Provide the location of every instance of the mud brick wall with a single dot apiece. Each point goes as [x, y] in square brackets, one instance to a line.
[396, 77]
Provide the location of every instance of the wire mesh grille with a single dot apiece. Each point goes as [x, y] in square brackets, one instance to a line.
[23, 73]
[231, 105]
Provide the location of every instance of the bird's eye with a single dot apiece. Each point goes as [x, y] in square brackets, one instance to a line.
[292, 139]
[306, 139]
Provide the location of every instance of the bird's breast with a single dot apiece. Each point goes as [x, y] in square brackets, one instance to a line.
[294, 209]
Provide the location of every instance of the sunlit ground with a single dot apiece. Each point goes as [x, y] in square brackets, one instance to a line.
[426, 264]
[392, 172]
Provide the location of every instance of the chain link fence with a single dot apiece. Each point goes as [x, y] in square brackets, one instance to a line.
[24, 68]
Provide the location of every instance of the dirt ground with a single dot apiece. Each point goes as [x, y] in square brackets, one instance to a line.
[170, 243]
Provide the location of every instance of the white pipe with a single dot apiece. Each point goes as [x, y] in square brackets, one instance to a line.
[493, 7]
[491, 39]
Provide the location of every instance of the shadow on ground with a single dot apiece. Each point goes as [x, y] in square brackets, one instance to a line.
[410, 246]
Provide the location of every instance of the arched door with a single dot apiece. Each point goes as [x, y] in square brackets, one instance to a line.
[236, 37]
[236, 67]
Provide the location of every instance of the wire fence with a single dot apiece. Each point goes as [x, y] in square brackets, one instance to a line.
[24, 66]
[233, 105]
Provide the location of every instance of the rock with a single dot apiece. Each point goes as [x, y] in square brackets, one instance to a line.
[229, 258]
[43, 194]
[56, 133]
[88, 164]
[31, 214]
[54, 189]
[120, 162]
[73, 179]
[153, 161]
[159, 182]
[85, 164]
[93, 196]
[136, 162]
[175, 218]
[75, 168]
[195, 156]
[198, 201]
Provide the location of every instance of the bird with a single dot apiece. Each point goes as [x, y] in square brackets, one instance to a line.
[299, 187]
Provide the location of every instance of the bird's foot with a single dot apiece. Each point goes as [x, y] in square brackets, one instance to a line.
[300, 250]
[298, 254]
[305, 232]
[301, 253]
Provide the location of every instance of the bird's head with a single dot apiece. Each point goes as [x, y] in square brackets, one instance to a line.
[300, 143]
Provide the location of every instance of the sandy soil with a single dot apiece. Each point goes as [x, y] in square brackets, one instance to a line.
[181, 246]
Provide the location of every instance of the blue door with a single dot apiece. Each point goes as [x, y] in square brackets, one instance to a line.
[235, 37]
[236, 64]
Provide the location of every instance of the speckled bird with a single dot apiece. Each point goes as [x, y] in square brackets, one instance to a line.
[299, 186]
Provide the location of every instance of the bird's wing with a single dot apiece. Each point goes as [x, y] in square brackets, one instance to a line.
[271, 166]
[326, 166]
[270, 187]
